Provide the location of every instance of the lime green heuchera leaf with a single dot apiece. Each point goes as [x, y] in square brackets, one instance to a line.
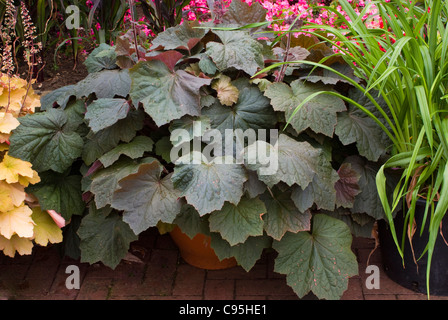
[292, 161]
[237, 222]
[59, 192]
[282, 214]
[237, 50]
[318, 114]
[146, 198]
[104, 237]
[207, 185]
[103, 113]
[165, 95]
[45, 229]
[320, 261]
[246, 254]
[44, 140]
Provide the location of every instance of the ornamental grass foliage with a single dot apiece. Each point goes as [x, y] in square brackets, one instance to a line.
[103, 149]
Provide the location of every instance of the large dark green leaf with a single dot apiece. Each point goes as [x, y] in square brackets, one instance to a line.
[44, 140]
[355, 126]
[105, 140]
[207, 185]
[252, 111]
[246, 254]
[104, 237]
[237, 50]
[146, 198]
[184, 36]
[105, 181]
[237, 222]
[105, 84]
[291, 161]
[165, 95]
[103, 113]
[319, 114]
[320, 261]
[59, 192]
[102, 57]
[282, 214]
[322, 189]
[134, 149]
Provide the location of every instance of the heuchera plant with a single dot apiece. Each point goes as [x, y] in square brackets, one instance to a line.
[103, 150]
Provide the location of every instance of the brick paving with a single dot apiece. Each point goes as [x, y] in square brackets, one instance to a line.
[163, 275]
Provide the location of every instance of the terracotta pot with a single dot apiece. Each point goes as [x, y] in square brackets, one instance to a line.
[197, 251]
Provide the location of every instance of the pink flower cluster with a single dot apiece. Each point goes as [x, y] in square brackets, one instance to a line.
[283, 11]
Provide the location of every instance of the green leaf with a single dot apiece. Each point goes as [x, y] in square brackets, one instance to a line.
[103, 141]
[146, 198]
[163, 148]
[134, 149]
[319, 114]
[105, 181]
[246, 254]
[104, 237]
[237, 50]
[282, 214]
[237, 222]
[102, 57]
[320, 261]
[355, 126]
[165, 95]
[59, 192]
[252, 111]
[367, 200]
[195, 126]
[103, 113]
[59, 97]
[207, 185]
[190, 222]
[105, 84]
[44, 140]
[321, 191]
[291, 161]
[184, 36]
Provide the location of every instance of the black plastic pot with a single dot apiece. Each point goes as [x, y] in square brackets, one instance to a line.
[410, 276]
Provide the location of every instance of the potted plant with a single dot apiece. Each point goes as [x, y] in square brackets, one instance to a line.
[401, 57]
[186, 136]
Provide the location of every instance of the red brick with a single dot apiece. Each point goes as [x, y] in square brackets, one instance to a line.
[257, 272]
[95, 289]
[219, 289]
[380, 297]
[263, 287]
[189, 280]
[354, 290]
